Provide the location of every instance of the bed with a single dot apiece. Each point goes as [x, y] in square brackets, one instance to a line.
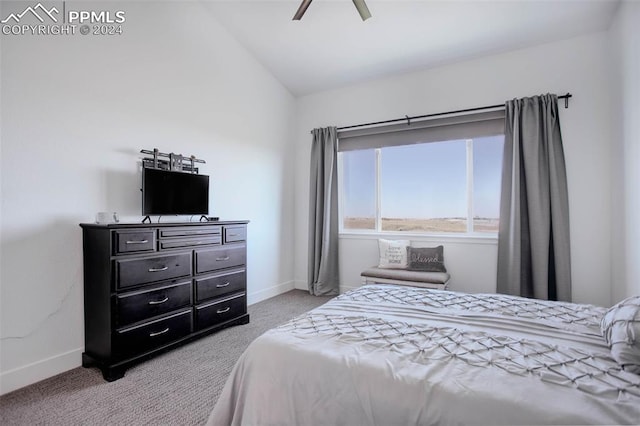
[394, 355]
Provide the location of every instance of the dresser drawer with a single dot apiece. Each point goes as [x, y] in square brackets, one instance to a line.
[235, 233]
[133, 241]
[220, 311]
[139, 305]
[220, 257]
[190, 231]
[139, 339]
[220, 284]
[132, 272]
[190, 242]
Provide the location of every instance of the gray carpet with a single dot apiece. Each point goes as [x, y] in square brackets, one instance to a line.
[177, 388]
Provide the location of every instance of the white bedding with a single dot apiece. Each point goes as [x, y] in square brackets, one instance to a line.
[394, 355]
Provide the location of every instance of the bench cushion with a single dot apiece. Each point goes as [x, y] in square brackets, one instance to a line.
[404, 275]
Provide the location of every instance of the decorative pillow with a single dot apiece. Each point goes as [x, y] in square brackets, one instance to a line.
[429, 259]
[393, 253]
[621, 330]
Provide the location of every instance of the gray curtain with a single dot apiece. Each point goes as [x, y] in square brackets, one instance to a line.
[533, 244]
[323, 213]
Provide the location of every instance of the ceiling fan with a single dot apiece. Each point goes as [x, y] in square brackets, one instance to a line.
[363, 10]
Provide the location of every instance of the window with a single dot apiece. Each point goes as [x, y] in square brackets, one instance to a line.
[487, 176]
[438, 186]
[358, 184]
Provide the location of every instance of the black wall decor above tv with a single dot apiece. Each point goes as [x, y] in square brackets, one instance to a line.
[166, 192]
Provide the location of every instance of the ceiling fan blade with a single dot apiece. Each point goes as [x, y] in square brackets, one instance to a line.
[302, 9]
[363, 10]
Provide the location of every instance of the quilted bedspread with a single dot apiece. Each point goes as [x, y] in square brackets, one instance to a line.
[395, 355]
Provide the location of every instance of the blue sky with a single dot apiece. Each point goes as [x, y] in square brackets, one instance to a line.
[425, 180]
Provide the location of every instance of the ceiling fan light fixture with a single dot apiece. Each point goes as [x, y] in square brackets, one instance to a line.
[301, 10]
[363, 10]
[360, 5]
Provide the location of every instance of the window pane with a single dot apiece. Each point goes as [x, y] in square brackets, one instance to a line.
[487, 175]
[423, 187]
[359, 189]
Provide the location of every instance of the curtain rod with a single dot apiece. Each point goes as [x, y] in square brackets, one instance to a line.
[408, 119]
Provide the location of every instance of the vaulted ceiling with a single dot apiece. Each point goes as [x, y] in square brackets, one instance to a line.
[331, 46]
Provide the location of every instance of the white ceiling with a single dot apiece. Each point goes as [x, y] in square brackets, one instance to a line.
[332, 47]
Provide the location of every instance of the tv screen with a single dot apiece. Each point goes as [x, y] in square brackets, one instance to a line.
[167, 192]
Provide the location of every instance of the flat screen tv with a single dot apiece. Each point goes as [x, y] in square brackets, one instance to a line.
[167, 192]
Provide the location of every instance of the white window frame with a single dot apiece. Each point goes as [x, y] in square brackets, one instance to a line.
[469, 235]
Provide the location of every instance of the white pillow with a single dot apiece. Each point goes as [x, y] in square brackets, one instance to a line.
[393, 253]
[621, 330]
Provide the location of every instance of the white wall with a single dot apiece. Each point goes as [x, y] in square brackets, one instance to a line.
[625, 227]
[578, 65]
[75, 113]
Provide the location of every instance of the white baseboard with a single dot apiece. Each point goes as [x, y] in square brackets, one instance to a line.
[32, 373]
[345, 288]
[39, 370]
[259, 296]
[302, 285]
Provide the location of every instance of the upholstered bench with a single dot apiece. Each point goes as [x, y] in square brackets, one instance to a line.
[436, 280]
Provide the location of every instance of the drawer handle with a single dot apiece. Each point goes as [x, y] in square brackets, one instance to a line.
[137, 242]
[223, 285]
[157, 302]
[159, 332]
[222, 311]
[221, 259]
[233, 235]
[158, 269]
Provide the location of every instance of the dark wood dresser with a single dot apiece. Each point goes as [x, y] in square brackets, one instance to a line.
[149, 288]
